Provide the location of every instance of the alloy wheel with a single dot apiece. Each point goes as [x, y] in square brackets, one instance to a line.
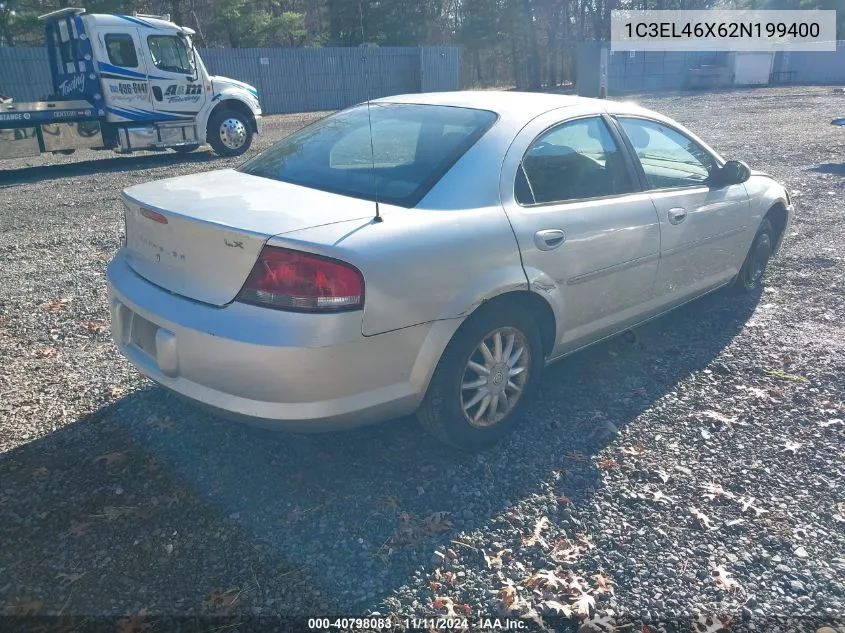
[495, 377]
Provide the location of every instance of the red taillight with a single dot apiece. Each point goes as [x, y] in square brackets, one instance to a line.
[292, 280]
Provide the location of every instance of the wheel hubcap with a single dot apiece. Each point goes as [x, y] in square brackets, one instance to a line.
[233, 133]
[495, 377]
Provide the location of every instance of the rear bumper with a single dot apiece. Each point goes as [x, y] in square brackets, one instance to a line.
[301, 372]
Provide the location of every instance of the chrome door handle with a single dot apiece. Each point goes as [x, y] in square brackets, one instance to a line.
[549, 239]
[677, 215]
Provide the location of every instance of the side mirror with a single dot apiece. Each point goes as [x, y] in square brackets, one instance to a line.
[733, 172]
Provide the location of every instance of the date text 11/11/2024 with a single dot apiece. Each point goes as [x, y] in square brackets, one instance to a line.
[480, 625]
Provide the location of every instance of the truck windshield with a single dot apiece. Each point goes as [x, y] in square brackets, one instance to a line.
[411, 147]
[170, 54]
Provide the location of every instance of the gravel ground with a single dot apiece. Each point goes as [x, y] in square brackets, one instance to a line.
[692, 470]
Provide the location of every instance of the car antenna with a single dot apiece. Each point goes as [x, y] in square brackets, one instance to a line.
[369, 117]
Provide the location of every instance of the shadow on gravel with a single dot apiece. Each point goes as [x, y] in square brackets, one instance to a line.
[98, 166]
[151, 504]
[837, 169]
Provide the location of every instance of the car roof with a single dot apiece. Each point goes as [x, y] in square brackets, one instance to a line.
[530, 104]
[514, 104]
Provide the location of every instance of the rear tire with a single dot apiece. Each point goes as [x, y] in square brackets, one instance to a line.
[229, 133]
[468, 409]
[750, 277]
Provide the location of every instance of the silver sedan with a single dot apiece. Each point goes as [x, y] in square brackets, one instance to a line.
[429, 253]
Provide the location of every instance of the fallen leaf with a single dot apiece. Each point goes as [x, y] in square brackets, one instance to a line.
[722, 579]
[24, 606]
[577, 585]
[709, 624]
[545, 578]
[568, 551]
[637, 450]
[219, 599]
[584, 604]
[604, 583]
[78, 528]
[95, 327]
[606, 463]
[40, 474]
[791, 447]
[111, 459]
[116, 392]
[536, 536]
[701, 518]
[558, 608]
[507, 595]
[55, 306]
[449, 604]
[748, 504]
[664, 476]
[719, 417]
[46, 352]
[713, 491]
[436, 523]
[495, 562]
[406, 532]
[657, 495]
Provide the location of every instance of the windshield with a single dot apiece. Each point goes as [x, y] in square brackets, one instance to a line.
[411, 147]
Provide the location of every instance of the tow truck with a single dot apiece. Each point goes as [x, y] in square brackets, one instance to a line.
[128, 83]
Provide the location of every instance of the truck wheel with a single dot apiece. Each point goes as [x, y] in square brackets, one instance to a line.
[185, 149]
[229, 133]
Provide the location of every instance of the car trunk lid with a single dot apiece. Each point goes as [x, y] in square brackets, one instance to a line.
[199, 236]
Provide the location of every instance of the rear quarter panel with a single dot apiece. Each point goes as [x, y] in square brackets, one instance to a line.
[436, 261]
[421, 265]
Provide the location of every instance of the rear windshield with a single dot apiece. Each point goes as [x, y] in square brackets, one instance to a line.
[410, 149]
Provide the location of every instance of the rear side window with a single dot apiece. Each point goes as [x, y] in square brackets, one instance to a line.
[121, 50]
[409, 150]
[572, 161]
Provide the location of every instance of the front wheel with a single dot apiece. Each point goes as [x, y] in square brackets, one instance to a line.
[750, 277]
[481, 384]
[229, 133]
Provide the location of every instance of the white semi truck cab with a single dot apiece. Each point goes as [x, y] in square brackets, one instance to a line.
[128, 83]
